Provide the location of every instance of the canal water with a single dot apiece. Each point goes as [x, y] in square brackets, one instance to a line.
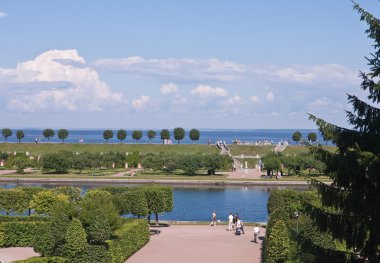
[197, 203]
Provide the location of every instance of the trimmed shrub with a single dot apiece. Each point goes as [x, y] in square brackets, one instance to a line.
[19, 234]
[44, 242]
[277, 243]
[92, 254]
[5, 219]
[130, 237]
[76, 240]
[43, 260]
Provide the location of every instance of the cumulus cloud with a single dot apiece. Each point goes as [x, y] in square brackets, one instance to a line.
[254, 99]
[140, 103]
[208, 91]
[3, 14]
[64, 83]
[235, 100]
[168, 88]
[270, 96]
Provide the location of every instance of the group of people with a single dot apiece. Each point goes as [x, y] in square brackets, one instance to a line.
[235, 224]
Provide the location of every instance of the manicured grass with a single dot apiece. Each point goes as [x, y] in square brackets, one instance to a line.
[250, 150]
[43, 148]
[299, 149]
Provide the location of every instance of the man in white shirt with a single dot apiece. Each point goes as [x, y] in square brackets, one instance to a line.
[230, 221]
[256, 231]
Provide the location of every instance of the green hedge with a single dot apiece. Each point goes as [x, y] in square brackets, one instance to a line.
[19, 234]
[33, 218]
[43, 260]
[130, 237]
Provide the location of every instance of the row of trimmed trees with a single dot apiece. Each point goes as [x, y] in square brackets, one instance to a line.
[311, 137]
[178, 133]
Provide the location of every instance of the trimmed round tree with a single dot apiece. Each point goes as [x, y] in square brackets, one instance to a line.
[151, 134]
[121, 135]
[194, 135]
[63, 134]
[296, 136]
[107, 134]
[6, 132]
[165, 135]
[136, 135]
[312, 137]
[48, 133]
[20, 135]
[179, 134]
[76, 239]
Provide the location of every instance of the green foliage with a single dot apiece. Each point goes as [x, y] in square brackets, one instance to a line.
[92, 254]
[128, 239]
[13, 200]
[48, 133]
[99, 230]
[133, 159]
[19, 234]
[312, 137]
[190, 163]
[194, 135]
[272, 162]
[20, 135]
[59, 162]
[165, 135]
[136, 135]
[44, 242]
[277, 243]
[137, 203]
[179, 134]
[21, 162]
[72, 192]
[76, 240]
[63, 134]
[6, 132]
[44, 201]
[107, 134]
[43, 260]
[4, 156]
[121, 135]
[296, 136]
[151, 135]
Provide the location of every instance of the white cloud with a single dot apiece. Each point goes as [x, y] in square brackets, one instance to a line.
[235, 100]
[193, 69]
[321, 102]
[254, 99]
[168, 88]
[140, 103]
[270, 96]
[64, 83]
[3, 14]
[208, 91]
[179, 100]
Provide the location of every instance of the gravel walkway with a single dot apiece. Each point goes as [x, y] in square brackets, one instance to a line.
[10, 254]
[201, 244]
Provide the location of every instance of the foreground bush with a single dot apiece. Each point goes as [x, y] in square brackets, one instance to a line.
[43, 260]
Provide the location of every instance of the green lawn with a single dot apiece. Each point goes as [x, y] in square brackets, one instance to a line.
[42, 148]
[237, 150]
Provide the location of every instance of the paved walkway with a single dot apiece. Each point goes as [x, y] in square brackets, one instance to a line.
[201, 244]
[10, 254]
[244, 174]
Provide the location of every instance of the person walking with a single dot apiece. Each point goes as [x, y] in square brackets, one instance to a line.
[256, 231]
[213, 219]
[230, 221]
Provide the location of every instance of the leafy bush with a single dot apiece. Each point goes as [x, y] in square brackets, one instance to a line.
[43, 260]
[277, 243]
[129, 238]
[59, 162]
[19, 234]
[76, 240]
[92, 254]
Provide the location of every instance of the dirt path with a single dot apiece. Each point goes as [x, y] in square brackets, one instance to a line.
[10, 254]
[201, 244]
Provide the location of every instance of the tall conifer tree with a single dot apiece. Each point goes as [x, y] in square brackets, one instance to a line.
[350, 207]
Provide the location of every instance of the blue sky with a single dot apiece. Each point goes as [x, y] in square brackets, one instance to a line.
[162, 64]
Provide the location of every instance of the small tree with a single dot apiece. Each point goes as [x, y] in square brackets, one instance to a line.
[63, 134]
[6, 132]
[312, 137]
[107, 134]
[20, 135]
[136, 135]
[47, 133]
[44, 201]
[179, 134]
[296, 136]
[165, 135]
[21, 162]
[194, 135]
[76, 239]
[121, 135]
[151, 134]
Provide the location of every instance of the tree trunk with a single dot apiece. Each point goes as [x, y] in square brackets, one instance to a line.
[156, 215]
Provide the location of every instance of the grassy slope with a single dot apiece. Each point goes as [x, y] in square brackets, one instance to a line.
[42, 148]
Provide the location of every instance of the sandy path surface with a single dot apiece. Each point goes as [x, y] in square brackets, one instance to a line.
[201, 244]
[10, 254]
